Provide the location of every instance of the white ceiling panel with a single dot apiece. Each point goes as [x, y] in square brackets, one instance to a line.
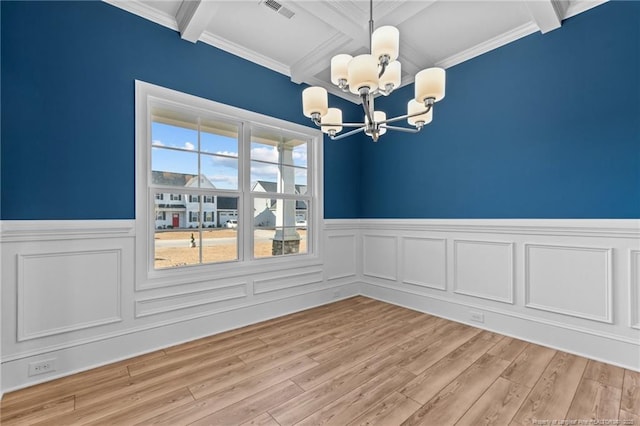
[299, 37]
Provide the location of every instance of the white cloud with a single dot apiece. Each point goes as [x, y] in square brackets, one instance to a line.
[189, 146]
[265, 153]
[157, 142]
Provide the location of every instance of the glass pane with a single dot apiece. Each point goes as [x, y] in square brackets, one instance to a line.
[264, 177]
[182, 133]
[221, 172]
[219, 138]
[267, 177]
[174, 168]
[220, 230]
[300, 154]
[280, 227]
[172, 240]
[276, 147]
[264, 152]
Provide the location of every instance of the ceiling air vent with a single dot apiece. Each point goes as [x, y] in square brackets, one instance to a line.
[277, 7]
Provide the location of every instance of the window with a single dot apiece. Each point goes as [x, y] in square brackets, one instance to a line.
[246, 179]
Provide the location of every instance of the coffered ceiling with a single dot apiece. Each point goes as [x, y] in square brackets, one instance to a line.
[298, 38]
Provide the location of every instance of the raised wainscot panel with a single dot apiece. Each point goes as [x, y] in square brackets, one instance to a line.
[189, 299]
[66, 291]
[340, 256]
[567, 280]
[285, 281]
[634, 289]
[424, 262]
[380, 256]
[484, 269]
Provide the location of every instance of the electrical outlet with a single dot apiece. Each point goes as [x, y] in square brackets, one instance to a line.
[476, 316]
[42, 367]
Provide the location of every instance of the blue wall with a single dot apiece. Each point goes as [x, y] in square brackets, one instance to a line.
[545, 127]
[68, 71]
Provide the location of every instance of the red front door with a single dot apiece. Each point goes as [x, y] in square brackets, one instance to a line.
[176, 220]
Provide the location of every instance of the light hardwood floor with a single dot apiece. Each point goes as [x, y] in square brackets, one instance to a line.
[357, 361]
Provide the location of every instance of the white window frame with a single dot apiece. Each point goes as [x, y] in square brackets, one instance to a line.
[149, 277]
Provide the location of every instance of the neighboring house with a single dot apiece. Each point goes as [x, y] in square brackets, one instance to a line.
[180, 210]
[264, 209]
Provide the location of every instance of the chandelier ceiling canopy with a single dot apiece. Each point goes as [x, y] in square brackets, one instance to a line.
[369, 75]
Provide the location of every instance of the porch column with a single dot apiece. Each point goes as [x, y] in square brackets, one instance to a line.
[286, 239]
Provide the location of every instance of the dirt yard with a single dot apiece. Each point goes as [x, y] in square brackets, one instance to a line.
[224, 249]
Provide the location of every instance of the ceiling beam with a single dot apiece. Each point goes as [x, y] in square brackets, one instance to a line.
[193, 17]
[547, 14]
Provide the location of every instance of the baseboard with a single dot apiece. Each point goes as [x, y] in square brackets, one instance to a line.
[103, 352]
[621, 352]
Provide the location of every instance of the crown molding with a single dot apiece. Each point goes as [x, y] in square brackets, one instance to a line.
[578, 6]
[491, 44]
[145, 11]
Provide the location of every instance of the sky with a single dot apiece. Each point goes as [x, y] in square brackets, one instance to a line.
[219, 156]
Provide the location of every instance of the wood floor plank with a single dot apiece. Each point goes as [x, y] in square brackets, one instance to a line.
[606, 374]
[393, 410]
[497, 405]
[38, 413]
[451, 402]
[223, 397]
[456, 336]
[631, 392]
[349, 406]
[149, 409]
[428, 383]
[206, 352]
[629, 418]
[262, 420]
[322, 395]
[165, 378]
[60, 388]
[356, 361]
[552, 395]
[346, 358]
[247, 409]
[595, 401]
[529, 365]
[508, 349]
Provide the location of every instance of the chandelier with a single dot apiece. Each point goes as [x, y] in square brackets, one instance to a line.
[369, 75]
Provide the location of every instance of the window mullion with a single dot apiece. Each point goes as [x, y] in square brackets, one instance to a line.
[246, 213]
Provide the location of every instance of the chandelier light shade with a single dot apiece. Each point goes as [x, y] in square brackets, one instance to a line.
[368, 76]
[385, 41]
[430, 84]
[339, 68]
[315, 101]
[414, 107]
[334, 115]
[363, 73]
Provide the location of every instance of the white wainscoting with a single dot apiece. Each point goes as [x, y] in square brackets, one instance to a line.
[380, 256]
[49, 284]
[569, 284]
[634, 289]
[569, 280]
[424, 262]
[69, 293]
[483, 269]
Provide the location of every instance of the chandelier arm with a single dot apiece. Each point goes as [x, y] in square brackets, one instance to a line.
[341, 124]
[403, 129]
[404, 117]
[344, 135]
[367, 108]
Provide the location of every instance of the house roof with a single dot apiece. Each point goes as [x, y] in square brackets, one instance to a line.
[179, 179]
[273, 187]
